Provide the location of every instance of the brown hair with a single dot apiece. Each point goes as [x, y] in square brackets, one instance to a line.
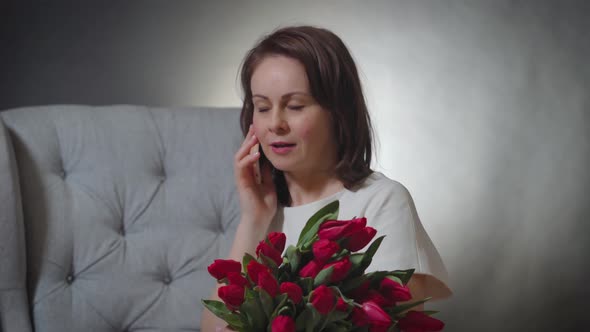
[335, 85]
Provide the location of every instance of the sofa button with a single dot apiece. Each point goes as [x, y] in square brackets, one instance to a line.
[122, 230]
[70, 279]
[62, 174]
[167, 280]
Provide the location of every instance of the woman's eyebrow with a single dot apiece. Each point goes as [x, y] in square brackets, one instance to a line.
[285, 96]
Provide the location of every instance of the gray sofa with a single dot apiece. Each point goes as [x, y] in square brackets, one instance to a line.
[110, 215]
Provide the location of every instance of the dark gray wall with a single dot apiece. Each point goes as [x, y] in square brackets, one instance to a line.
[482, 109]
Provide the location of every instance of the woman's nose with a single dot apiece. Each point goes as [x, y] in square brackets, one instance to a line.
[278, 123]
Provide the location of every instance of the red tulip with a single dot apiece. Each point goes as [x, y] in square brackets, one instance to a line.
[341, 269]
[379, 299]
[394, 291]
[335, 230]
[375, 315]
[311, 270]
[323, 299]
[293, 290]
[236, 278]
[417, 321]
[278, 240]
[269, 251]
[232, 295]
[283, 324]
[341, 305]
[221, 267]
[324, 249]
[268, 282]
[254, 268]
[358, 240]
[358, 317]
[360, 293]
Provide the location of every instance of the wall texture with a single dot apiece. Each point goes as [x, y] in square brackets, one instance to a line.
[482, 109]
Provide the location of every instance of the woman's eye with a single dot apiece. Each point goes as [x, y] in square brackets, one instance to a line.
[295, 107]
[262, 109]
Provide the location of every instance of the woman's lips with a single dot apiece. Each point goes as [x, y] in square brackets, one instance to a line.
[282, 148]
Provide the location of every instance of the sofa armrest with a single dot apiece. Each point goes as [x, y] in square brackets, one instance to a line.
[14, 309]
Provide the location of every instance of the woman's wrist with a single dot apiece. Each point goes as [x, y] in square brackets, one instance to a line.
[248, 234]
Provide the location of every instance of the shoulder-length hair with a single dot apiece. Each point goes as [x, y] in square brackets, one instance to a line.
[335, 85]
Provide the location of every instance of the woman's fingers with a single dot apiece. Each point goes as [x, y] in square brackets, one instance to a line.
[247, 144]
[245, 172]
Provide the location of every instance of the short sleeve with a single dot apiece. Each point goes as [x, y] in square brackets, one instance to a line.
[406, 244]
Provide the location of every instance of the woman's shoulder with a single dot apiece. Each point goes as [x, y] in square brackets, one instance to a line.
[379, 183]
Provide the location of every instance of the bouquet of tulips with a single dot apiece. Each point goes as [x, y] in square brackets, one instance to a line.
[318, 285]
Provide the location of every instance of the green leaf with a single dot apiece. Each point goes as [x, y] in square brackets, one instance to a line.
[267, 302]
[360, 261]
[394, 278]
[268, 262]
[294, 258]
[328, 212]
[368, 256]
[302, 319]
[234, 321]
[336, 315]
[247, 258]
[220, 310]
[338, 327]
[403, 275]
[403, 307]
[306, 285]
[315, 318]
[353, 283]
[280, 301]
[357, 261]
[252, 308]
[430, 312]
[323, 277]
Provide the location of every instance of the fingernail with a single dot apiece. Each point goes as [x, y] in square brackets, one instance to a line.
[253, 137]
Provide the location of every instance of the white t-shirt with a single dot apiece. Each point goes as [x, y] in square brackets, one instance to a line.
[389, 208]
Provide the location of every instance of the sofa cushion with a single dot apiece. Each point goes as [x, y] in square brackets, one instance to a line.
[14, 313]
[124, 207]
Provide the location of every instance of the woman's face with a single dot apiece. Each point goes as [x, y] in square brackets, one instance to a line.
[295, 132]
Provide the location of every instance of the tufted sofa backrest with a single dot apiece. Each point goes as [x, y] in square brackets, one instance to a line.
[110, 215]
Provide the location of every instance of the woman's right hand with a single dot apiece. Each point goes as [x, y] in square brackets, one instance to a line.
[258, 201]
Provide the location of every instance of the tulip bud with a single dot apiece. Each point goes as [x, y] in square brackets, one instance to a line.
[232, 295]
[394, 291]
[360, 239]
[278, 240]
[341, 269]
[293, 290]
[323, 299]
[254, 268]
[419, 321]
[236, 278]
[283, 324]
[268, 282]
[375, 315]
[269, 252]
[324, 249]
[221, 267]
[311, 270]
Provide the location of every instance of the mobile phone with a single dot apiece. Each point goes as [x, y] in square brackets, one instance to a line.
[257, 175]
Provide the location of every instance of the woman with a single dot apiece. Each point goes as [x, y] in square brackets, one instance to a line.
[305, 110]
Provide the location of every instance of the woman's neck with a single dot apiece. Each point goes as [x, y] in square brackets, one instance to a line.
[313, 186]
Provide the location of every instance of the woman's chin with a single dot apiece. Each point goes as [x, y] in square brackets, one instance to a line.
[282, 166]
